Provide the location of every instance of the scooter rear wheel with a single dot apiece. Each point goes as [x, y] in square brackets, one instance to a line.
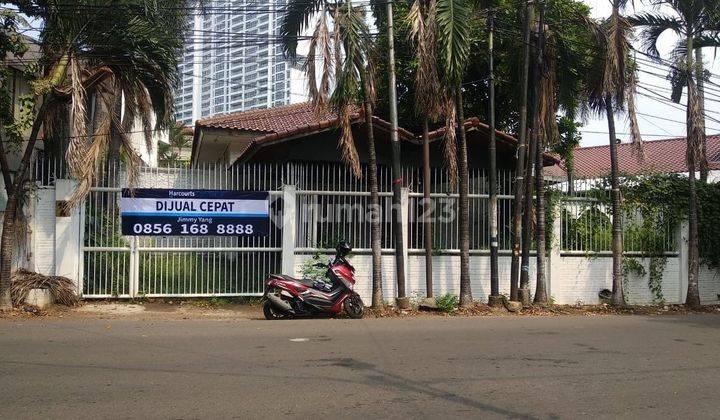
[272, 312]
[354, 307]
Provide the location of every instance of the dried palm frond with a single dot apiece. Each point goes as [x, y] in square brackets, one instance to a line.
[62, 288]
[320, 41]
[427, 80]
[93, 157]
[635, 137]
[547, 100]
[348, 151]
[79, 137]
[450, 141]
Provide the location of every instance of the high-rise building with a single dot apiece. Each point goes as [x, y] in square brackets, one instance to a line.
[233, 61]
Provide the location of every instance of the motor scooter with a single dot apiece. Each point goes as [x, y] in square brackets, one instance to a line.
[290, 297]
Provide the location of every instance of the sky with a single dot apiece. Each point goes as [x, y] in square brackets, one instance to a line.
[656, 119]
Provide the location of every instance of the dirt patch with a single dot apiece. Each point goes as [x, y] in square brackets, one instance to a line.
[149, 309]
[244, 309]
[552, 310]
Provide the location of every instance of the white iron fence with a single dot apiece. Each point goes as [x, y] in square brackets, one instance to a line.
[328, 204]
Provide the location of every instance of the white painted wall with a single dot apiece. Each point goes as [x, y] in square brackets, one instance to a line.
[577, 279]
[43, 232]
[571, 279]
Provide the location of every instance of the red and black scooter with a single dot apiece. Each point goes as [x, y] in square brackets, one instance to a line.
[289, 297]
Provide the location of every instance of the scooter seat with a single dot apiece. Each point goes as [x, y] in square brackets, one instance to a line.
[306, 282]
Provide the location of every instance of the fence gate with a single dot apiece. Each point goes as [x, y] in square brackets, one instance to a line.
[120, 266]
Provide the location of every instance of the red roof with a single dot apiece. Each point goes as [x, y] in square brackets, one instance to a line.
[664, 156]
[279, 119]
[282, 122]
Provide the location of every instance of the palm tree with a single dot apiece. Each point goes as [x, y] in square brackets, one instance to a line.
[696, 23]
[453, 40]
[612, 90]
[135, 56]
[345, 58]
[170, 153]
[427, 106]
[520, 162]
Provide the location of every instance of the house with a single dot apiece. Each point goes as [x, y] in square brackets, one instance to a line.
[294, 133]
[660, 156]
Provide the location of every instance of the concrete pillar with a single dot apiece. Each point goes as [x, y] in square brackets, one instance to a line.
[682, 245]
[553, 257]
[289, 229]
[405, 209]
[68, 235]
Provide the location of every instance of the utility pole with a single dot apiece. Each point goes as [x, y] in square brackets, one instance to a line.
[402, 301]
[494, 299]
[520, 161]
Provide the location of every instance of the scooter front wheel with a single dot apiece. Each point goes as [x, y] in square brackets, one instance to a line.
[272, 312]
[354, 307]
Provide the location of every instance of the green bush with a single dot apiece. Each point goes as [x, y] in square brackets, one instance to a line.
[447, 303]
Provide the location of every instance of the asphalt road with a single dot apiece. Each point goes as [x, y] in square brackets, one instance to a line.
[517, 367]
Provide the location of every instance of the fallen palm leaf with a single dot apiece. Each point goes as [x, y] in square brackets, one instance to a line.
[62, 288]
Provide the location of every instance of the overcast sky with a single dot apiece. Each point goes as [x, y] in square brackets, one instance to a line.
[654, 117]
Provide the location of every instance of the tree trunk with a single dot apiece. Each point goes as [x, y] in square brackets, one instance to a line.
[524, 290]
[396, 167]
[375, 232]
[466, 299]
[618, 297]
[693, 131]
[427, 211]
[704, 169]
[493, 211]
[520, 165]
[693, 293]
[540, 288]
[7, 241]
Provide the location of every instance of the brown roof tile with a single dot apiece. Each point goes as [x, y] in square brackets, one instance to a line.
[666, 156]
[281, 119]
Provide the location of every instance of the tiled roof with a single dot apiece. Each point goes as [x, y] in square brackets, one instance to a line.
[474, 122]
[281, 119]
[666, 156]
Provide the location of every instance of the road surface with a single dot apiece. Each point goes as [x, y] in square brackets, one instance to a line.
[430, 367]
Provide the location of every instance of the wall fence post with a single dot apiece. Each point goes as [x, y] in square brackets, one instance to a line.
[289, 228]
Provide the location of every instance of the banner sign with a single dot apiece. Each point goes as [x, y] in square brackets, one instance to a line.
[162, 212]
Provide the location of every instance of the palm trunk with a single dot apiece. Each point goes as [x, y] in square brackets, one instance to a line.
[570, 179]
[7, 241]
[427, 211]
[540, 287]
[493, 211]
[524, 290]
[704, 169]
[693, 294]
[375, 232]
[618, 297]
[396, 167]
[520, 166]
[466, 299]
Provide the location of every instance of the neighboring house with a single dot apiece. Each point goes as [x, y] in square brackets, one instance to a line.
[294, 133]
[19, 87]
[660, 156]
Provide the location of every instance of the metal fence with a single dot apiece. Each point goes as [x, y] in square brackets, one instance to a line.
[586, 223]
[121, 266]
[330, 204]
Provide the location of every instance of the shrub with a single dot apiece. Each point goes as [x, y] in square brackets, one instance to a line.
[447, 303]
